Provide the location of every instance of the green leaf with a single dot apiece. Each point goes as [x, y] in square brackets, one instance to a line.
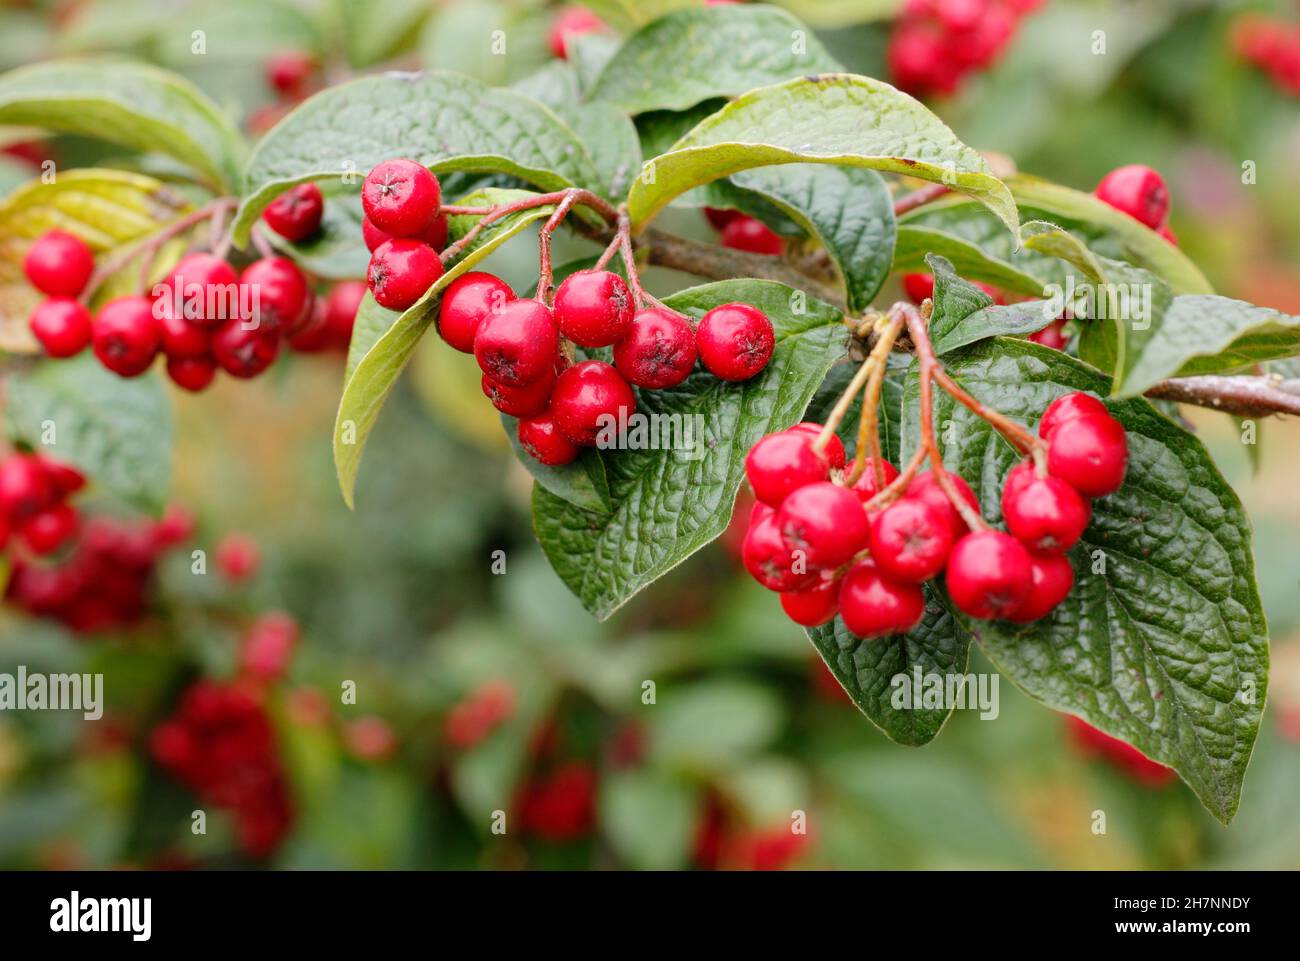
[712, 724]
[1163, 641]
[980, 258]
[670, 503]
[611, 138]
[848, 209]
[236, 31]
[443, 120]
[382, 341]
[994, 320]
[582, 483]
[877, 673]
[132, 104]
[833, 119]
[648, 819]
[337, 251]
[117, 431]
[718, 51]
[371, 35]
[832, 14]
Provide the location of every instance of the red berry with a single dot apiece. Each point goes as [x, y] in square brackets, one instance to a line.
[1068, 407]
[181, 339]
[522, 401]
[1138, 191]
[593, 308]
[374, 237]
[59, 264]
[735, 341]
[401, 271]
[268, 646]
[46, 532]
[517, 344]
[296, 214]
[435, 235]
[127, 336]
[866, 487]
[825, 521]
[1051, 579]
[540, 436]
[26, 487]
[871, 605]
[989, 574]
[924, 487]
[244, 353]
[191, 373]
[1090, 454]
[813, 606]
[571, 22]
[466, 301]
[278, 296]
[1044, 513]
[203, 289]
[781, 463]
[591, 402]
[288, 71]
[314, 333]
[719, 217]
[62, 325]
[401, 197]
[834, 446]
[341, 306]
[770, 562]
[1053, 335]
[64, 478]
[752, 235]
[176, 526]
[910, 540]
[918, 287]
[238, 557]
[657, 351]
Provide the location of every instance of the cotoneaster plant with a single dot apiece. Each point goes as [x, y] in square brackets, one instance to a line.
[980, 460]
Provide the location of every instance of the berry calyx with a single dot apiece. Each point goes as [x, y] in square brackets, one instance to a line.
[657, 351]
[59, 264]
[62, 326]
[1044, 513]
[126, 336]
[191, 373]
[752, 235]
[872, 605]
[517, 344]
[866, 487]
[277, 292]
[401, 197]
[466, 302]
[202, 289]
[1051, 579]
[244, 352]
[910, 540]
[522, 401]
[45, 532]
[1090, 454]
[770, 562]
[593, 308]
[1068, 407]
[591, 402]
[400, 272]
[925, 488]
[296, 214]
[813, 606]
[735, 341]
[989, 574]
[824, 521]
[1138, 191]
[781, 463]
[571, 22]
[541, 437]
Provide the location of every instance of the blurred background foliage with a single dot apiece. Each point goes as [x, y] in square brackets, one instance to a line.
[406, 597]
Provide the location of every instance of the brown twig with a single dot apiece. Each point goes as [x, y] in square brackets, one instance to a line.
[1243, 396]
[919, 198]
[545, 278]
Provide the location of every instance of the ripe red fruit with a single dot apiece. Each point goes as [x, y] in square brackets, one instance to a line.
[401, 197]
[279, 298]
[59, 264]
[191, 373]
[560, 806]
[989, 574]
[871, 605]
[26, 487]
[238, 557]
[1068, 407]
[1090, 454]
[541, 437]
[590, 402]
[751, 234]
[735, 341]
[203, 289]
[719, 217]
[781, 463]
[127, 336]
[522, 401]
[924, 487]
[657, 351]
[400, 272]
[1138, 191]
[918, 287]
[1053, 335]
[571, 21]
[770, 562]
[866, 487]
[62, 325]
[466, 301]
[1141, 768]
[517, 344]
[435, 235]
[288, 71]
[594, 308]
[296, 214]
[910, 540]
[1050, 581]
[834, 446]
[374, 237]
[813, 606]
[64, 478]
[45, 532]
[181, 339]
[244, 353]
[1043, 513]
[268, 646]
[825, 521]
[341, 306]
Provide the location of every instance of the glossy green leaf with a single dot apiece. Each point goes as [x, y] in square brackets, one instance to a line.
[649, 819]
[582, 483]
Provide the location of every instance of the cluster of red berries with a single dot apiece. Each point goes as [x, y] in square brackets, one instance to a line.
[811, 539]
[202, 318]
[560, 804]
[404, 229]
[1127, 758]
[220, 744]
[937, 43]
[1271, 45]
[34, 508]
[742, 232]
[471, 720]
[103, 582]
